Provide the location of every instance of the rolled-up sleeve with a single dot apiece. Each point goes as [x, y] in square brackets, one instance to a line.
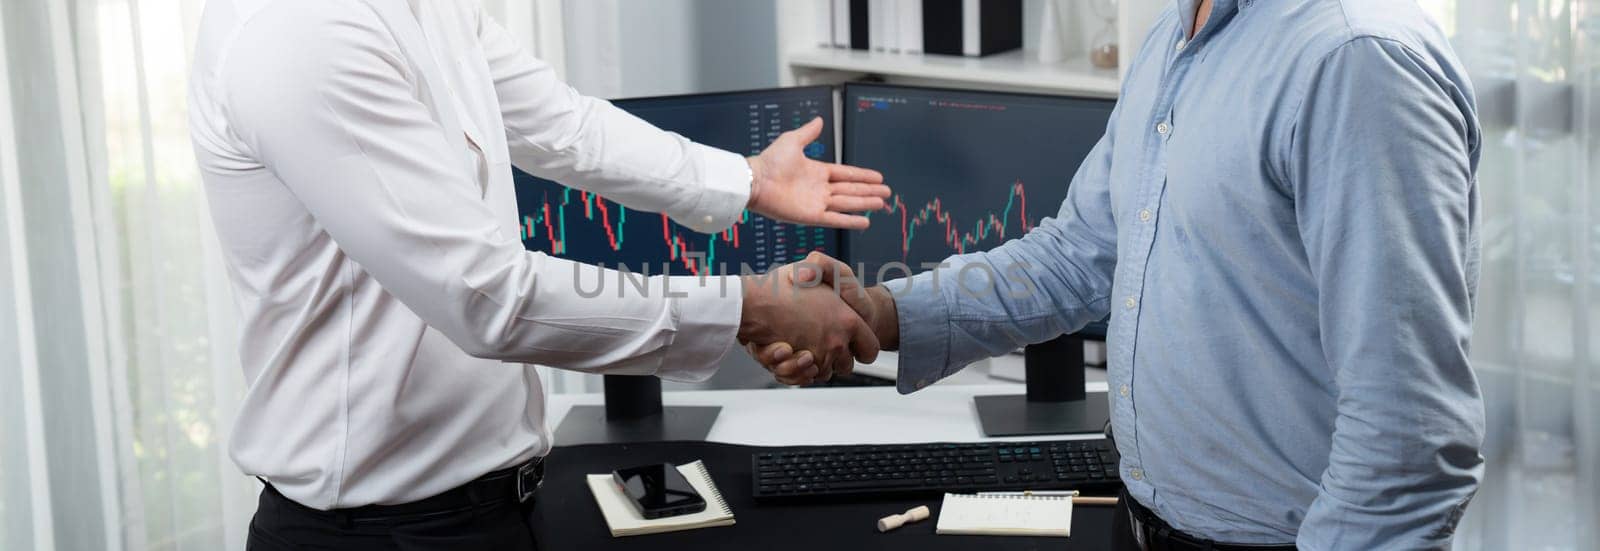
[1381, 160]
[1053, 280]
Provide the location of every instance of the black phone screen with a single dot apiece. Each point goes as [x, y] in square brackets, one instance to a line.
[659, 490]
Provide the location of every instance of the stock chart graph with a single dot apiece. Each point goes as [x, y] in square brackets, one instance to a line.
[583, 226]
[970, 170]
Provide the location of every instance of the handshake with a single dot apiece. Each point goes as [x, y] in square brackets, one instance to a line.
[808, 321]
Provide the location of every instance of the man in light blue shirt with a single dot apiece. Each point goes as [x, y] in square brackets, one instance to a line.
[1281, 221]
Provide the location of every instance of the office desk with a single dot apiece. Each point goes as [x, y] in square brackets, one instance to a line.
[569, 519]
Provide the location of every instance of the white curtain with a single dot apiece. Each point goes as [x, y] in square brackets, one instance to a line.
[1536, 67]
[119, 375]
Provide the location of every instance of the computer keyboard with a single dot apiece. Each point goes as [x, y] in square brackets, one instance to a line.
[821, 472]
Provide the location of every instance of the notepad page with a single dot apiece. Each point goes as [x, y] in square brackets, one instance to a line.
[624, 520]
[1006, 515]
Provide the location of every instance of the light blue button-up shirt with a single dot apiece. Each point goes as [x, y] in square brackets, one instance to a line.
[1281, 222]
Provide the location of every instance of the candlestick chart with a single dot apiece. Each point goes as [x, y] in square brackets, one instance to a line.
[572, 223]
[970, 170]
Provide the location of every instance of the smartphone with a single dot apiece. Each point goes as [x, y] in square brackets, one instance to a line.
[658, 491]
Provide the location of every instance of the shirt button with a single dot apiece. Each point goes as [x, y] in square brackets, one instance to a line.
[1123, 391]
[1131, 303]
[1163, 129]
[1144, 215]
[1181, 44]
[1137, 474]
[709, 219]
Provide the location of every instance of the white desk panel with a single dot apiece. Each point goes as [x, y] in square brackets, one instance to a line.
[819, 416]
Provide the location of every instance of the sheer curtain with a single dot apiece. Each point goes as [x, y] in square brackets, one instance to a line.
[118, 367]
[1536, 345]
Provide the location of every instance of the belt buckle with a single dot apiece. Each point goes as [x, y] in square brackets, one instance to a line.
[530, 476]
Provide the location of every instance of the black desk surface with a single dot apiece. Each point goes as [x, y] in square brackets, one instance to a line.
[567, 518]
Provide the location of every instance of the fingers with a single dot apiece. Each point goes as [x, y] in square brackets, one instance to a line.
[789, 368]
[808, 133]
[830, 268]
[863, 342]
[847, 173]
[844, 365]
[825, 370]
[821, 268]
[842, 221]
[852, 203]
[773, 354]
[858, 189]
[799, 370]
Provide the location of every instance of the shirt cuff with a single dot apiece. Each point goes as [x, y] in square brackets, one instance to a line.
[924, 319]
[707, 313]
[725, 193]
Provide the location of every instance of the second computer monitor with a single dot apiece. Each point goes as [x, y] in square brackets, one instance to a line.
[970, 170]
[582, 226]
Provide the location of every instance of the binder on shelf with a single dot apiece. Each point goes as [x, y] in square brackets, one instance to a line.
[875, 36]
[860, 27]
[972, 28]
[841, 23]
[910, 25]
[823, 12]
[890, 14]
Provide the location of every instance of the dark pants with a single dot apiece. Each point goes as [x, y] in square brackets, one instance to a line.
[1122, 527]
[281, 524]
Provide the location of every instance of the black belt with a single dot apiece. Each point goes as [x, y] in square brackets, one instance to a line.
[517, 483]
[1156, 535]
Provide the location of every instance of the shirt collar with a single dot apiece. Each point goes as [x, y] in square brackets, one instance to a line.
[1221, 10]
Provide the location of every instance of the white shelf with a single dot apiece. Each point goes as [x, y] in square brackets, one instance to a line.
[1017, 69]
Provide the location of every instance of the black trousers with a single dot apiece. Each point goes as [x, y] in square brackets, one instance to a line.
[1122, 527]
[281, 524]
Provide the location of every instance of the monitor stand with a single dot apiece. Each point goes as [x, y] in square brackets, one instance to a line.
[633, 413]
[1056, 402]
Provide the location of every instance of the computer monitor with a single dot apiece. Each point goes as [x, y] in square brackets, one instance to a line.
[586, 227]
[582, 226]
[971, 170]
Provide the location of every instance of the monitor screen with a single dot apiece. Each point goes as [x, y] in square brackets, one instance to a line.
[970, 170]
[582, 226]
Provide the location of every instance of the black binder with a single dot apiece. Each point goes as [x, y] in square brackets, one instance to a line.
[859, 33]
[945, 28]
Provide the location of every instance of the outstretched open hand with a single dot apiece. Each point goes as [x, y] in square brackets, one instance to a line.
[790, 187]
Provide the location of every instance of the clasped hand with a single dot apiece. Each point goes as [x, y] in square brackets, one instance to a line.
[809, 321]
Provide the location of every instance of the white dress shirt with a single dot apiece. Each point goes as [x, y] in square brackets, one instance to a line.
[356, 155]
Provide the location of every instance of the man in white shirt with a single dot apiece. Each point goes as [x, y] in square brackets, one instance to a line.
[357, 154]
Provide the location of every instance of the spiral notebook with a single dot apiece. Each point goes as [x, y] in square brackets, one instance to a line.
[1005, 515]
[624, 520]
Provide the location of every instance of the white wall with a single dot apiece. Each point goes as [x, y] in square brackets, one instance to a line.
[633, 48]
